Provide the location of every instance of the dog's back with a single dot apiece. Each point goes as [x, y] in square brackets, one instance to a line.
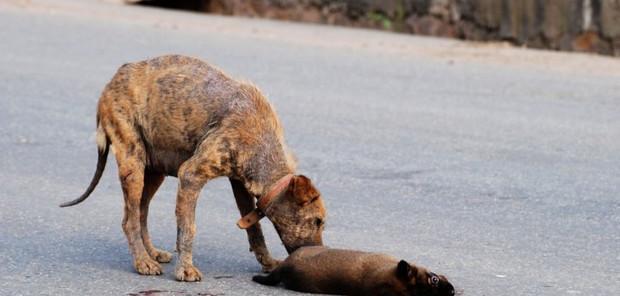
[174, 102]
[348, 272]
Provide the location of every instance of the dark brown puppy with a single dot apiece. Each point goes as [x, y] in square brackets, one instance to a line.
[179, 116]
[345, 272]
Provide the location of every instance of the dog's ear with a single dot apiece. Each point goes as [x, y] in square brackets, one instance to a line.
[302, 190]
[405, 271]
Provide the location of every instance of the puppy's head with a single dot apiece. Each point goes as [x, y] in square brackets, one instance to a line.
[418, 281]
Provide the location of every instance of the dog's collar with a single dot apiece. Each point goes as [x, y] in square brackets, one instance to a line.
[263, 202]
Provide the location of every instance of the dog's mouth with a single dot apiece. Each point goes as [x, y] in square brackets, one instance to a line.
[289, 249]
[296, 244]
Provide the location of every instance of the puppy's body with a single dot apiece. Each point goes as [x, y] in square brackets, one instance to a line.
[347, 272]
[321, 270]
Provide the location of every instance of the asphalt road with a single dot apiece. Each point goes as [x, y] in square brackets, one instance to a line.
[499, 167]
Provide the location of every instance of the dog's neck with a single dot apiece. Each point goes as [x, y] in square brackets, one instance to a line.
[260, 184]
[268, 164]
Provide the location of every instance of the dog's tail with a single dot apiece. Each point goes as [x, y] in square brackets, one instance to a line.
[103, 146]
[271, 279]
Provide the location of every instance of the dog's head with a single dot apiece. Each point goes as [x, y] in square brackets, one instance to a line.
[298, 214]
[409, 280]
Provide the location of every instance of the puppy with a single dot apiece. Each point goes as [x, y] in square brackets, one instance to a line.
[346, 272]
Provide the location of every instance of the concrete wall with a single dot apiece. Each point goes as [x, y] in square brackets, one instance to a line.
[572, 25]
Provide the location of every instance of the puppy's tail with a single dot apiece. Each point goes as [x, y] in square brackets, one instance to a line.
[271, 279]
[103, 144]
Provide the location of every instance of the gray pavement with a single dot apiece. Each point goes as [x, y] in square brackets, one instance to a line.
[497, 166]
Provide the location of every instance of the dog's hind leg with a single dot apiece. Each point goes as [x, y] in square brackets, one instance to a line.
[271, 279]
[152, 181]
[130, 157]
[245, 203]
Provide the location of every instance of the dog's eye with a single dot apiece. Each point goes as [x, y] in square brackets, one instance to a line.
[318, 222]
[435, 280]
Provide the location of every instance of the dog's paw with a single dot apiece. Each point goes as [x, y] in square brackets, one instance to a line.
[162, 256]
[147, 266]
[270, 265]
[187, 273]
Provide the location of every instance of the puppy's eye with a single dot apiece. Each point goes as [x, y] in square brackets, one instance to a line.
[435, 280]
[318, 222]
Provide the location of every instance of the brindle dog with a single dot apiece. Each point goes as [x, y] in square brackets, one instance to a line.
[347, 272]
[178, 116]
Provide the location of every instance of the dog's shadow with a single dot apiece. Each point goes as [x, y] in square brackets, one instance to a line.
[102, 253]
[96, 252]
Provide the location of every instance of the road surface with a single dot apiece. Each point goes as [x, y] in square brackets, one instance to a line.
[497, 166]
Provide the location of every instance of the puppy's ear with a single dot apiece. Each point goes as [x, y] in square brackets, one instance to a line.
[405, 271]
[302, 190]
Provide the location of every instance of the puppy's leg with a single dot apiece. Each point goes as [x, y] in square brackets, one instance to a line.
[245, 203]
[271, 279]
[152, 181]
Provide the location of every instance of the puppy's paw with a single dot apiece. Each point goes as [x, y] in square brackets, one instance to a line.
[187, 273]
[147, 266]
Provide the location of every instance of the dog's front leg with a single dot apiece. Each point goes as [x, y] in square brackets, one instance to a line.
[245, 203]
[190, 184]
[257, 245]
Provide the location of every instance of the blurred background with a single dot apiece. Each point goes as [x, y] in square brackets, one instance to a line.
[570, 25]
